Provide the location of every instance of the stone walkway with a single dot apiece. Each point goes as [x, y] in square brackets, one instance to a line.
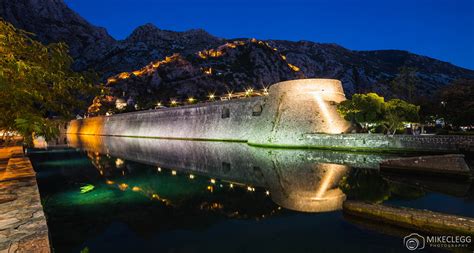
[23, 225]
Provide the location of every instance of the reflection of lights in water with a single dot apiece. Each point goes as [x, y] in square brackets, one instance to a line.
[314, 192]
[118, 162]
[123, 186]
[326, 182]
[136, 189]
[109, 182]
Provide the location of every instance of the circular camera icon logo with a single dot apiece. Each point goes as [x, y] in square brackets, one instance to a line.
[414, 241]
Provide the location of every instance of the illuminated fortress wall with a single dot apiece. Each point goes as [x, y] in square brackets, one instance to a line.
[292, 109]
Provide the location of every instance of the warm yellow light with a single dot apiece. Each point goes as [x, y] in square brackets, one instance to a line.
[211, 96]
[124, 75]
[173, 102]
[213, 181]
[159, 169]
[136, 189]
[191, 176]
[293, 67]
[231, 185]
[111, 80]
[109, 182]
[208, 71]
[123, 186]
[118, 162]
[210, 188]
[333, 126]
[267, 192]
[173, 172]
[191, 100]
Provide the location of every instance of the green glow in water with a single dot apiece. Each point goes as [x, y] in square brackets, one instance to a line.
[70, 162]
[123, 190]
[87, 188]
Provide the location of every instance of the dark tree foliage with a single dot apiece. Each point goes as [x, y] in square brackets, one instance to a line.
[457, 103]
[37, 85]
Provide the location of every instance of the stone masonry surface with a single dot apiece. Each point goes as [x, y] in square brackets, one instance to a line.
[23, 225]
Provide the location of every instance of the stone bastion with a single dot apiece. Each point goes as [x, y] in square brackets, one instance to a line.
[291, 110]
[295, 114]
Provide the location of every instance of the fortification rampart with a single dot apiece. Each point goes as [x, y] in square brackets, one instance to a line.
[298, 113]
[291, 109]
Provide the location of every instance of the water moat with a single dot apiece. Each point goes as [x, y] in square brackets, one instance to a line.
[150, 195]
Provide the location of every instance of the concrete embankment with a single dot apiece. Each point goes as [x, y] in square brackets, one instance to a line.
[23, 225]
[413, 219]
[452, 166]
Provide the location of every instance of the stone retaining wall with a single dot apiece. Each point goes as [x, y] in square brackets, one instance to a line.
[410, 218]
[428, 143]
[23, 225]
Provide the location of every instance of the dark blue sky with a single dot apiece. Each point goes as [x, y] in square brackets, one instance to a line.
[442, 29]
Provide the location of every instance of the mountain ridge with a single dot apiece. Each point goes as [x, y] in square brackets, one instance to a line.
[260, 62]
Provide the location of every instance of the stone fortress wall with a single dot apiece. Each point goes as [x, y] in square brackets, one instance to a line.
[291, 109]
[298, 113]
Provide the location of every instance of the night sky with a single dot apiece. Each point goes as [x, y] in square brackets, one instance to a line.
[442, 29]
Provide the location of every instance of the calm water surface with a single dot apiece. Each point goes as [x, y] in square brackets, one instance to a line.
[185, 196]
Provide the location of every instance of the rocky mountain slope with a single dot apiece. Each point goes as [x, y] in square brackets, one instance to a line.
[199, 63]
[235, 66]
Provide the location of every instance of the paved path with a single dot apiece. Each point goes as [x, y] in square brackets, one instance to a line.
[22, 222]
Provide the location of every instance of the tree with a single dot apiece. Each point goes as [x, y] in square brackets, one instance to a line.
[37, 84]
[363, 109]
[457, 103]
[396, 112]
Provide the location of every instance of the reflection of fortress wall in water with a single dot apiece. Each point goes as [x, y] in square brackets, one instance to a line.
[297, 179]
[291, 109]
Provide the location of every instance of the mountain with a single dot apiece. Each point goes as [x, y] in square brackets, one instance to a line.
[159, 64]
[53, 21]
[148, 43]
[233, 66]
